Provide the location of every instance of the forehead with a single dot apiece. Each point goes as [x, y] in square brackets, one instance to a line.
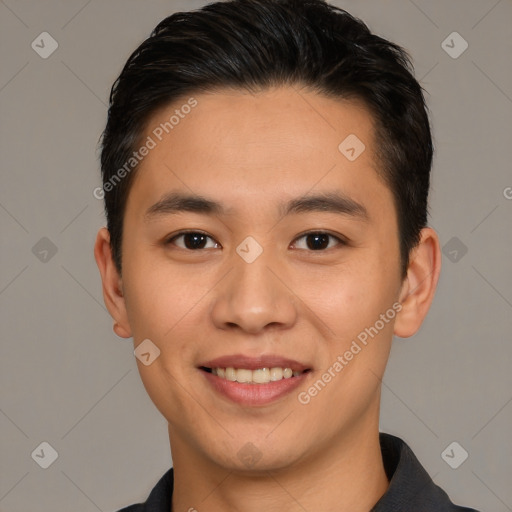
[242, 147]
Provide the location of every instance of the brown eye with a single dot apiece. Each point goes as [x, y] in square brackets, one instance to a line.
[192, 240]
[318, 241]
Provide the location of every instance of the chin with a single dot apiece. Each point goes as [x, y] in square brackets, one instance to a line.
[253, 460]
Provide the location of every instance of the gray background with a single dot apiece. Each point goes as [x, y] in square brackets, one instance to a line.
[68, 380]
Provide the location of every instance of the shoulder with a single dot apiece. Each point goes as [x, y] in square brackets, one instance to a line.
[160, 497]
[410, 486]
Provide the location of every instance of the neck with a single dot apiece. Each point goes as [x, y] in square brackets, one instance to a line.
[347, 476]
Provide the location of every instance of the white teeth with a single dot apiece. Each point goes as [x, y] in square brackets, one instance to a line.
[231, 374]
[258, 376]
[276, 374]
[261, 376]
[243, 375]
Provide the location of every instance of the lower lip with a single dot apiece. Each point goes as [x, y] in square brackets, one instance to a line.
[254, 394]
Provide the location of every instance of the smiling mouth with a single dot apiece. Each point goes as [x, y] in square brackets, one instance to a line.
[256, 376]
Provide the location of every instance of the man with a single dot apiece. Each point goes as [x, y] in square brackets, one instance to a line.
[265, 172]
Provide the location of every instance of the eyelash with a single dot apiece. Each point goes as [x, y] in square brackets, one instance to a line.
[341, 241]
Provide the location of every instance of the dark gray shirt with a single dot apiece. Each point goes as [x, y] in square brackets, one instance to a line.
[410, 487]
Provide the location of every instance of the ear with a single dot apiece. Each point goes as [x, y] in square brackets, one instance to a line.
[419, 286]
[112, 284]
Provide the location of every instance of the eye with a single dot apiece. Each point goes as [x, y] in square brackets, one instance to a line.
[317, 241]
[192, 240]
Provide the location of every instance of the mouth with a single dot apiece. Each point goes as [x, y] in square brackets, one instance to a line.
[256, 376]
[253, 381]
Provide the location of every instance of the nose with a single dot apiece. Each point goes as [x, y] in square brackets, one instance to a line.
[254, 297]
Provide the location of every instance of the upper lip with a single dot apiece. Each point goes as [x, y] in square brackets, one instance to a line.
[253, 363]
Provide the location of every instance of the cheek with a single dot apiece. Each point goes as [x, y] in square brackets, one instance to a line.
[158, 294]
[349, 296]
[354, 355]
[356, 303]
[163, 305]
[166, 304]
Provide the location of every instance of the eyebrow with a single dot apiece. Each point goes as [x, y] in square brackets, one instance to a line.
[332, 202]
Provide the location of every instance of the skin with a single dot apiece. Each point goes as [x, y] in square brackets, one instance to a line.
[251, 152]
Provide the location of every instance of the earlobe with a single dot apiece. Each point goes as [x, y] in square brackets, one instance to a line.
[420, 284]
[112, 284]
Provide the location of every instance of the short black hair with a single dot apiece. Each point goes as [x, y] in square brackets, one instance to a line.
[258, 44]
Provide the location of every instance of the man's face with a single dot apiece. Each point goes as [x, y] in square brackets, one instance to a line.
[256, 288]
